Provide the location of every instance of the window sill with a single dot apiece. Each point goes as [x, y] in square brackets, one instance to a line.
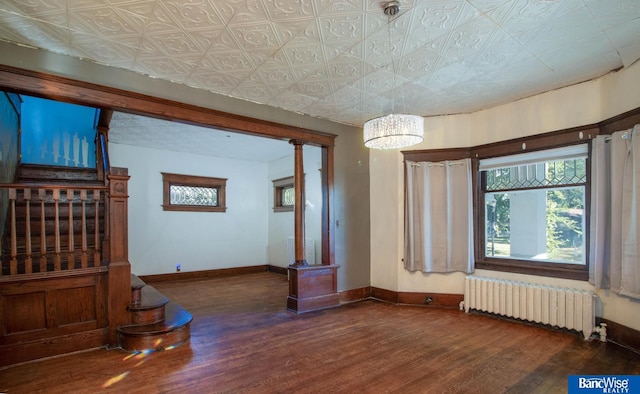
[554, 270]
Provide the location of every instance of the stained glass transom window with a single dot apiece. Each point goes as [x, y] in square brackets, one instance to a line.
[194, 195]
[288, 196]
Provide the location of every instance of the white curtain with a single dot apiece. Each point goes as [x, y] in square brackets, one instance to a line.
[438, 217]
[615, 226]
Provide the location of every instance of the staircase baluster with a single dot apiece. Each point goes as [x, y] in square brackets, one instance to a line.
[96, 255]
[83, 198]
[43, 233]
[28, 262]
[13, 263]
[71, 263]
[56, 229]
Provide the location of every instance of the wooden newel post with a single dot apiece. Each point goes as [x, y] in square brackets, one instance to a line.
[119, 267]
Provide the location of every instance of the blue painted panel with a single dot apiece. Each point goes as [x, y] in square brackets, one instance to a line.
[59, 134]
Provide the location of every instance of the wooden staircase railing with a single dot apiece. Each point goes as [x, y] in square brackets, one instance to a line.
[54, 228]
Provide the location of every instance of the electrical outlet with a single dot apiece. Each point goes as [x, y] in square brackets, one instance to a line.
[178, 268]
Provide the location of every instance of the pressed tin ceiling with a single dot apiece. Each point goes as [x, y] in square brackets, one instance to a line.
[333, 59]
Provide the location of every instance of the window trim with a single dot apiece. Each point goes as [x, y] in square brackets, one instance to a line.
[545, 141]
[278, 186]
[169, 179]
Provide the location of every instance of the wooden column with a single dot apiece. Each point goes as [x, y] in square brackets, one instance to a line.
[312, 287]
[119, 287]
[299, 204]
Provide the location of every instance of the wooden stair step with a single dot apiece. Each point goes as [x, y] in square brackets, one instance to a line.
[172, 332]
[136, 283]
[151, 308]
[136, 289]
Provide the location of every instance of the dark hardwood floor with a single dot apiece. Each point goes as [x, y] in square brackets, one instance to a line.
[244, 341]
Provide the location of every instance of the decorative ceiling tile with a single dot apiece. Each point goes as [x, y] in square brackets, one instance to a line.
[254, 89]
[348, 68]
[613, 13]
[623, 38]
[161, 21]
[292, 101]
[378, 50]
[311, 53]
[263, 35]
[341, 7]
[142, 8]
[40, 35]
[214, 81]
[485, 6]
[120, 53]
[176, 44]
[231, 61]
[279, 77]
[251, 12]
[419, 62]
[467, 40]
[106, 22]
[315, 85]
[567, 30]
[431, 20]
[522, 16]
[286, 11]
[341, 31]
[167, 68]
[449, 76]
[588, 50]
[379, 81]
[226, 10]
[501, 51]
[34, 8]
[195, 14]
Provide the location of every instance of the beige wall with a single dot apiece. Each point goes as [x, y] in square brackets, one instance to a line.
[577, 105]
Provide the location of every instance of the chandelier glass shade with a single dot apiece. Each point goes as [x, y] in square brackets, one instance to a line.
[393, 131]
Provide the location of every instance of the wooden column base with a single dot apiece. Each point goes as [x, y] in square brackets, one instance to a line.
[312, 287]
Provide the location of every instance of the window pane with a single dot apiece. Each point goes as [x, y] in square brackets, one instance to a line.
[288, 196]
[192, 195]
[541, 225]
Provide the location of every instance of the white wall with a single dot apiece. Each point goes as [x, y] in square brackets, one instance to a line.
[158, 240]
[281, 224]
[573, 106]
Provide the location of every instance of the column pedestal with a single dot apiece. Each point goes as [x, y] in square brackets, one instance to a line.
[312, 287]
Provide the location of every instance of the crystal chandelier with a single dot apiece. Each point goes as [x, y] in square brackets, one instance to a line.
[395, 130]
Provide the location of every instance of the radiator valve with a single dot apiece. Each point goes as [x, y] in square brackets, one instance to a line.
[602, 331]
[461, 306]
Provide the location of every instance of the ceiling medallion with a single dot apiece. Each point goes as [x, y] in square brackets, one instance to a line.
[393, 131]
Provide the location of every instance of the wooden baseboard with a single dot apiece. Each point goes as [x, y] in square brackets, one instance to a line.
[621, 335]
[354, 295]
[439, 300]
[191, 275]
[278, 270]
